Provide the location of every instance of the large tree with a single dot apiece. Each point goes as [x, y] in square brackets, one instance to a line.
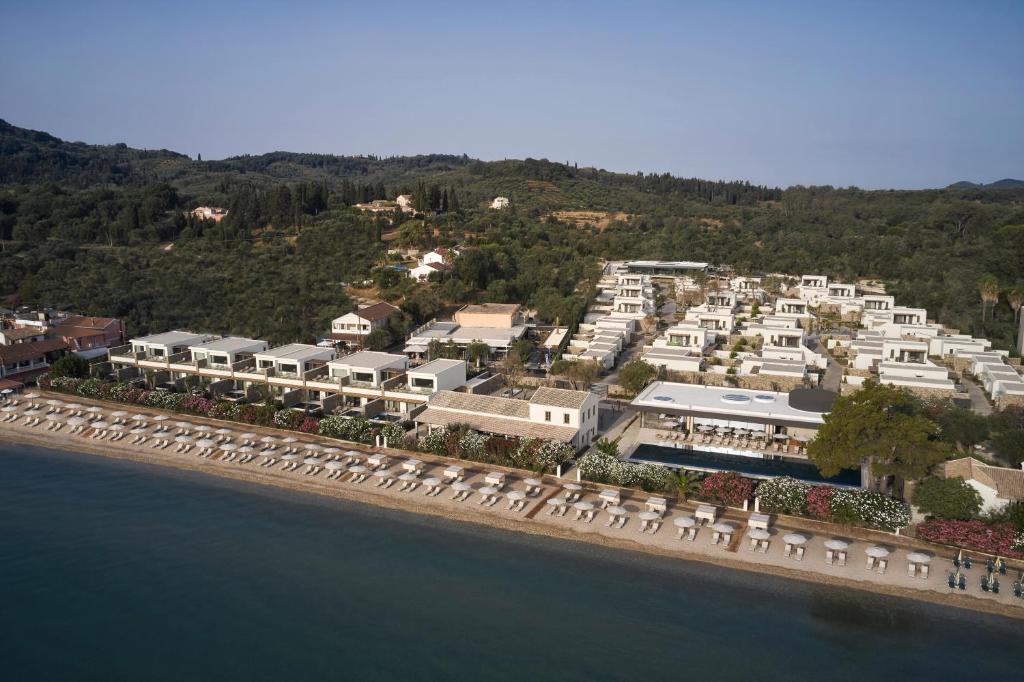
[947, 498]
[636, 374]
[881, 425]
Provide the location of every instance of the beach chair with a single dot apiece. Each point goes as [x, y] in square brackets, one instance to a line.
[799, 552]
[715, 537]
[692, 534]
[655, 527]
[924, 571]
[963, 582]
[753, 544]
[1017, 589]
[882, 564]
[644, 524]
[951, 581]
[620, 522]
[911, 570]
[829, 557]
[842, 557]
[870, 563]
[994, 585]
[787, 551]
[611, 521]
[726, 540]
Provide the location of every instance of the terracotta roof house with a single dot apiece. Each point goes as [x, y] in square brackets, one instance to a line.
[996, 485]
[89, 337]
[355, 326]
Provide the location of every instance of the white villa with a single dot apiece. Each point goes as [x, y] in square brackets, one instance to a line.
[355, 326]
[551, 413]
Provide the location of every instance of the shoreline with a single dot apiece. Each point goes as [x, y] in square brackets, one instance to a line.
[472, 513]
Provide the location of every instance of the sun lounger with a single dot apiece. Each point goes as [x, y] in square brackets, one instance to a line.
[911, 570]
[715, 537]
[753, 544]
[842, 557]
[799, 551]
[951, 581]
[829, 557]
[870, 564]
[654, 527]
[882, 563]
[620, 522]
[924, 571]
[611, 522]
[788, 550]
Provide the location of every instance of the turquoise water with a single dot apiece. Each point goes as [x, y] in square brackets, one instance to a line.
[118, 571]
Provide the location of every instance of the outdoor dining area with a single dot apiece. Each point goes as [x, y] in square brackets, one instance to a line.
[748, 438]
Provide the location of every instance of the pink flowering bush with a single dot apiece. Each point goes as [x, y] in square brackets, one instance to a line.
[308, 425]
[996, 538]
[727, 487]
[819, 502]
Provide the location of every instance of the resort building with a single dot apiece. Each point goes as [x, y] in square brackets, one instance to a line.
[423, 271]
[498, 325]
[998, 486]
[87, 336]
[25, 361]
[500, 203]
[551, 414]
[354, 327]
[665, 268]
[209, 213]
[761, 434]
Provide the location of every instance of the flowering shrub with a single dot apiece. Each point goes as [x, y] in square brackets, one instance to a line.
[996, 538]
[870, 509]
[355, 429]
[602, 468]
[727, 487]
[287, 419]
[551, 454]
[535, 454]
[394, 433]
[471, 446]
[783, 495]
[819, 502]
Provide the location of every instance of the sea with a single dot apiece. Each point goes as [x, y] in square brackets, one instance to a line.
[113, 570]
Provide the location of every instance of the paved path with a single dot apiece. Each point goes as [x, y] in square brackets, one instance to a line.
[979, 403]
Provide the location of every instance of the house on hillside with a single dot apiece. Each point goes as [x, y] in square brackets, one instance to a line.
[422, 272]
[355, 326]
[500, 203]
[209, 213]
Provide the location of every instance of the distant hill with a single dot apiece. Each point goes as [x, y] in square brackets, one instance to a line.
[1005, 183]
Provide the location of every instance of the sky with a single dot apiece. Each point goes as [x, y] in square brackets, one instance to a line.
[897, 94]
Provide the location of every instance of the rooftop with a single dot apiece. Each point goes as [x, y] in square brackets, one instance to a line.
[173, 338]
[375, 312]
[1009, 483]
[297, 351]
[368, 359]
[559, 397]
[736, 402]
[436, 366]
[230, 344]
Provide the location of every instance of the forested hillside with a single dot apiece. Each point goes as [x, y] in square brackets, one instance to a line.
[105, 230]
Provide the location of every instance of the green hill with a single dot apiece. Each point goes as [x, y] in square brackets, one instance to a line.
[105, 230]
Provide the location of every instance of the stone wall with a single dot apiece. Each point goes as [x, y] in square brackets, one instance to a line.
[752, 381]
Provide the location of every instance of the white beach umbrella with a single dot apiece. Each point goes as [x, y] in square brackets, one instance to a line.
[100, 425]
[10, 408]
[31, 396]
[246, 450]
[488, 490]
[460, 486]
[205, 443]
[247, 436]
[836, 545]
[228, 447]
[584, 506]
[331, 451]
[54, 417]
[359, 469]
[648, 516]
[138, 430]
[919, 558]
[268, 439]
[73, 406]
[312, 447]
[572, 486]
[183, 439]
[76, 421]
[724, 527]
[334, 466]
[94, 409]
[514, 495]
[183, 425]
[758, 534]
[289, 439]
[780, 436]
[116, 427]
[290, 457]
[877, 552]
[203, 428]
[312, 461]
[7, 391]
[684, 522]
[118, 413]
[161, 418]
[432, 481]
[616, 510]
[794, 538]
[533, 482]
[53, 402]
[139, 417]
[405, 478]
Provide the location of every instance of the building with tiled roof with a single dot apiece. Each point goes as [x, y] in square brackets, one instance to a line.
[355, 326]
[996, 485]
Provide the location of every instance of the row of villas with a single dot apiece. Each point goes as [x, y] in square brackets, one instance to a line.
[379, 386]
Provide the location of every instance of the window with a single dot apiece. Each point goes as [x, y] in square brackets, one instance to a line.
[565, 418]
[547, 416]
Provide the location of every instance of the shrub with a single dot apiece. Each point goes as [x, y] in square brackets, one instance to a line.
[947, 498]
[727, 487]
[394, 433]
[871, 509]
[996, 538]
[782, 495]
[819, 502]
[604, 469]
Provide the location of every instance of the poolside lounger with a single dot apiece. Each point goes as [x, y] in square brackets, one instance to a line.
[1017, 589]
[924, 571]
[715, 537]
[611, 521]
[882, 564]
[829, 557]
[621, 522]
[963, 582]
[842, 557]
[911, 570]
[870, 563]
[788, 550]
[799, 552]
[753, 544]
[644, 523]
[654, 527]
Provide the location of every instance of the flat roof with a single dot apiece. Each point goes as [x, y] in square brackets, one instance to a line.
[173, 338]
[436, 366]
[667, 264]
[297, 351]
[230, 344]
[736, 403]
[368, 359]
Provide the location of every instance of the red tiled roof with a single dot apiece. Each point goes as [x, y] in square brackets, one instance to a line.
[377, 311]
[20, 352]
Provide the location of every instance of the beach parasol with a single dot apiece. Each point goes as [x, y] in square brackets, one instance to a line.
[94, 409]
[334, 466]
[572, 486]
[161, 418]
[515, 495]
[836, 545]
[432, 481]
[228, 447]
[53, 402]
[312, 461]
[75, 421]
[877, 552]
[138, 417]
[648, 516]
[919, 558]
[461, 486]
[100, 425]
[616, 510]
[724, 527]
[290, 457]
[184, 439]
[556, 501]
[758, 534]
[289, 439]
[533, 482]
[684, 522]
[138, 430]
[794, 538]
[205, 443]
[583, 506]
[359, 469]
[10, 408]
[488, 490]
[118, 413]
[202, 428]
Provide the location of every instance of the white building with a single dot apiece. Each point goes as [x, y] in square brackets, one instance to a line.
[997, 486]
[500, 203]
[355, 326]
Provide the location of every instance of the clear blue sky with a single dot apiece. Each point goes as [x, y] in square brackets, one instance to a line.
[876, 94]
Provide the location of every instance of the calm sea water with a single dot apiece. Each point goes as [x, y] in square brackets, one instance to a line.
[116, 571]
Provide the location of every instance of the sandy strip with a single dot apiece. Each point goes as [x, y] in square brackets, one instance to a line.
[536, 520]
